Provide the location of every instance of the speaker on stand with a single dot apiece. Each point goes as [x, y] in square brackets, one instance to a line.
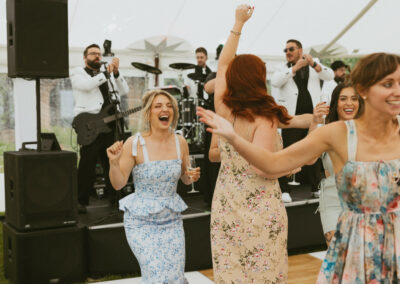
[37, 38]
[42, 243]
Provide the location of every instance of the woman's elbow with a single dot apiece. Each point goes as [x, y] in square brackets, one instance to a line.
[261, 173]
[117, 186]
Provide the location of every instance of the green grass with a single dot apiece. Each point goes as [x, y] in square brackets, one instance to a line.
[3, 280]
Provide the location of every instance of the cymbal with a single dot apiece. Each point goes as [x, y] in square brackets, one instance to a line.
[182, 66]
[196, 76]
[146, 68]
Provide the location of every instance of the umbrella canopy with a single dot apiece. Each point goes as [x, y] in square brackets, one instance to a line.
[159, 45]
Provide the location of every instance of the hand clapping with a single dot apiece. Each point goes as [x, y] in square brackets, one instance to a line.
[113, 66]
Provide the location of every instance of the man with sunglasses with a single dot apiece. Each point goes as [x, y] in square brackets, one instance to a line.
[299, 90]
[91, 92]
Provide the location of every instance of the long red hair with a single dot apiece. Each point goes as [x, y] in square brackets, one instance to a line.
[246, 93]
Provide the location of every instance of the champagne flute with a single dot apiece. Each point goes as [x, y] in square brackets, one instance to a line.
[324, 98]
[294, 182]
[191, 168]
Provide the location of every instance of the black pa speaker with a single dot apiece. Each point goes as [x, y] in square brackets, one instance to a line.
[40, 189]
[44, 256]
[37, 38]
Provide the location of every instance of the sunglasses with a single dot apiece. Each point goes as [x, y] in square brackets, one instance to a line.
[291, 49]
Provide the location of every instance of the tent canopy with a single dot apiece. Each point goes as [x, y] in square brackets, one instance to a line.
[207, 23]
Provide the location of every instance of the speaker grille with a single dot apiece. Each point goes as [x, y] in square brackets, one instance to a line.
[37, 38]
[41, 189]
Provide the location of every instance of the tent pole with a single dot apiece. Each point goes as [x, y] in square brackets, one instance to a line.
[355, 20]
[156, 64]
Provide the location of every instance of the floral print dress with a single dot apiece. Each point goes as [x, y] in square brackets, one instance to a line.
[152, 219]
[248, 224]
[366, 245]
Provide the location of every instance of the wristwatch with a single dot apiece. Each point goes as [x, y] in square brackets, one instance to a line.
[315, 64]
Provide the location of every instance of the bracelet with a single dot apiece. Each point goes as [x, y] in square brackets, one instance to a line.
[236, 33]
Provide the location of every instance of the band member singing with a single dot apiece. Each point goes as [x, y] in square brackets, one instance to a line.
[91, 90]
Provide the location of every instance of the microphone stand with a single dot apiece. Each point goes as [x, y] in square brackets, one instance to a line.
[118, 132]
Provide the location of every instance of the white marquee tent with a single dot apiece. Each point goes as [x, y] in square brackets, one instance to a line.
[206, 23]
[372, 25]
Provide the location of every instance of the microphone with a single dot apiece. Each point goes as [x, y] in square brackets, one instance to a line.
[103, 62]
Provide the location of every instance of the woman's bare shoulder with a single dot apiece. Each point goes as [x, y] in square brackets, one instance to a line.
[264, 122]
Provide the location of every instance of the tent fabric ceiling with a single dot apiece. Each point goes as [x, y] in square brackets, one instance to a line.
[207, 23]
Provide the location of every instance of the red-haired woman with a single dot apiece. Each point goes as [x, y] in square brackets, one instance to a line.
[248, 220]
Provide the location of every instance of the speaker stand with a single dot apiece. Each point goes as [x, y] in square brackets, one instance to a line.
[38, 116]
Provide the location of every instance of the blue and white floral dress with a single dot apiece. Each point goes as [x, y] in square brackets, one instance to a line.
[152, 218]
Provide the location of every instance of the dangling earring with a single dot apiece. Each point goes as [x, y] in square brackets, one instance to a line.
[364, 98]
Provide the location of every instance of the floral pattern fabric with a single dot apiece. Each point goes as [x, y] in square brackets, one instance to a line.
[158, 242]
[366, 245]
[248, 224]
[152, 219]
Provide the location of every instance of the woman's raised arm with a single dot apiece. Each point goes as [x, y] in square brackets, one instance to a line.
[242, 14]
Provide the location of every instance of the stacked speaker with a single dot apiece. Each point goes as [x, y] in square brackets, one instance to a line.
[42, 241]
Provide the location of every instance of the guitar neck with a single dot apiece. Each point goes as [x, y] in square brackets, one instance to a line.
[113, 117]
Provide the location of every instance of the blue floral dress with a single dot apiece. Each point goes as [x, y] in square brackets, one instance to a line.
[152, 219]
[366, 245]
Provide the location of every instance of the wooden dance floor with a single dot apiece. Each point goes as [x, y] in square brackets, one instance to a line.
[303, 269]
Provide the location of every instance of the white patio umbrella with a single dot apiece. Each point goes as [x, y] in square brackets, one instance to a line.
[159, 46]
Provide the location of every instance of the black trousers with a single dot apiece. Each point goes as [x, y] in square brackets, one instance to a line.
[89, 155]
[210, 172]
[309, 174]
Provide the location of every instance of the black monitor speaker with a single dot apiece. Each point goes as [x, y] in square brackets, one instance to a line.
[40, 189]
[37, 38]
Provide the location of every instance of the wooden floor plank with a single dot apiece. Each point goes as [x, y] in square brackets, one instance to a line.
[303, 269]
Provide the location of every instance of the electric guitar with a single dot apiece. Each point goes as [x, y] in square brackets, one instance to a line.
[89, 125]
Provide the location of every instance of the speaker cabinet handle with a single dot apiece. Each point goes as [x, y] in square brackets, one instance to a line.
[11, 187]
[10, 34]
[9, 249]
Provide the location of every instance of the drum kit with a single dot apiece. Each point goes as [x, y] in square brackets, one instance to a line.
[188, 123]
